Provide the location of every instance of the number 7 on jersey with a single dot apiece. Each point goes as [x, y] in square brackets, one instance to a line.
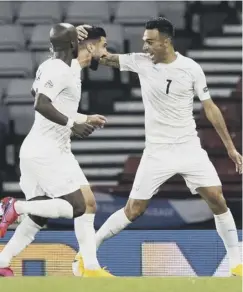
[168, 86]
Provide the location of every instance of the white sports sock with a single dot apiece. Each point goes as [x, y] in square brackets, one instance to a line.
[23, 236]
[113, 225]
[226, 228]
[85, 233]
[53, 208]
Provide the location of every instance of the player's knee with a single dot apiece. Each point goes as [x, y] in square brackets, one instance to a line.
[78, 209]
[76, 200]
[40, 221]
[134, 209]
[90, 206]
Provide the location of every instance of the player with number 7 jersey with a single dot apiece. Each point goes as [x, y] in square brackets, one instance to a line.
[169, 81]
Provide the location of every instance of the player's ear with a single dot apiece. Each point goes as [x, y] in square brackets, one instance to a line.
[90, 48]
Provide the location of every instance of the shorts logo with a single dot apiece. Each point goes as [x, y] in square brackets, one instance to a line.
[205, 89]
[48, 84]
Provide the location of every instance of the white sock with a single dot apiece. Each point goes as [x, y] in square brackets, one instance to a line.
[226, 228]
[23, 236]
[53, 208]
[113, 225]
[85, 233]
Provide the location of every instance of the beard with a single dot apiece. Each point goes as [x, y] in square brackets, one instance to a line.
[94, 64]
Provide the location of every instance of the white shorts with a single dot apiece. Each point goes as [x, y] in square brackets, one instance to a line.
[162, 161]
[51, 176]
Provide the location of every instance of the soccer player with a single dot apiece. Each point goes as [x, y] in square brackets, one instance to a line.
[51, 179]
[169, 82]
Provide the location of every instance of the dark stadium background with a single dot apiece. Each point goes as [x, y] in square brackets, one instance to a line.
[208, 32]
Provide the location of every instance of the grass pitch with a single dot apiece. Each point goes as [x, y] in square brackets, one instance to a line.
[71, 284]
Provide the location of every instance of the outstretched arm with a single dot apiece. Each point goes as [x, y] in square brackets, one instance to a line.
[111, 60]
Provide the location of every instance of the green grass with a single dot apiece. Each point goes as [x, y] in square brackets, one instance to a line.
[71, 284]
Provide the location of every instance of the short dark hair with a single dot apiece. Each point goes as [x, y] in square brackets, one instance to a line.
[163, 25]
[95, 32]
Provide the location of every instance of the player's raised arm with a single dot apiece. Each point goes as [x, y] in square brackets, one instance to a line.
[125, 62]
[216, 118]
[111, 60]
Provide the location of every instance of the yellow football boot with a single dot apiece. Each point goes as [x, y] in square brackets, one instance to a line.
[237, 271]
[100, 273]
[78, 266]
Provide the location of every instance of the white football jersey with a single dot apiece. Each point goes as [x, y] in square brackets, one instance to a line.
[168, 91]
[62, 84]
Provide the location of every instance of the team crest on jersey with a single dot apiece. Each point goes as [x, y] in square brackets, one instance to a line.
[48, 84]
[205, 89]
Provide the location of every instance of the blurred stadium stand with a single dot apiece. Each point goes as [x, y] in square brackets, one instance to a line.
[209, 33]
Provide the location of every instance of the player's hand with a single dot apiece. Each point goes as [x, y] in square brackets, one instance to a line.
[97, 121]
[82, 130]
[237, 159]
[82, 32]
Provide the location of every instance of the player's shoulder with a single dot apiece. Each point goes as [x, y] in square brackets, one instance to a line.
[53, 66]
[188, 63]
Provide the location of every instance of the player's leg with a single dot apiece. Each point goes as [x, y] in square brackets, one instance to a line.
[84, 226]
[121, 219]
[22, 237]
[156, 166]
[201, 177]
[225, 224]
[39, 175]
[70, 179]
[27, 229]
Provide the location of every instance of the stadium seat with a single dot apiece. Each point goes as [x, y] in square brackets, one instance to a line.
[18, 90]
[237, 92]
[129, 170]
[226, 170]
[20, 105]
[40, 38]
[102, 74]
[211, 140]
[22, 116]
[115, 37]
[40, 57]
[231, 111]
[4, 83]
[39, 12]
[16, 64]
[88, 12]
[174, 11]
[134, 36]
[135, 12]
[12, 37]
[182, 44]
[6, 12]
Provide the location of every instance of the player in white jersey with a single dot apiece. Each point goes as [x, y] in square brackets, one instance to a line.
[169, 82]
[51, 179]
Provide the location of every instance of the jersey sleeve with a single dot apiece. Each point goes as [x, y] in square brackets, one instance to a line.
[200, 84]
[130, 62]
[49, 82]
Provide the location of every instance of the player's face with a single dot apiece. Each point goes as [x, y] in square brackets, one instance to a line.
[154, 44]
[100, 48]
[97, 50]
